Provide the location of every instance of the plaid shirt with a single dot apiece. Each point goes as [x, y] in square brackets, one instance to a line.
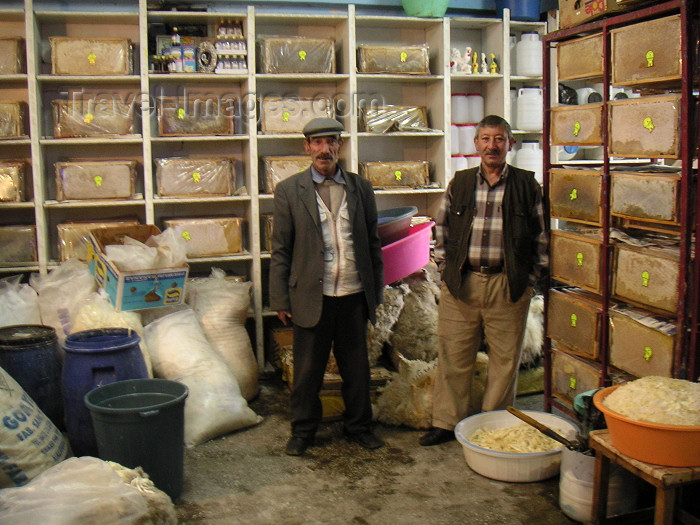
[486, 239]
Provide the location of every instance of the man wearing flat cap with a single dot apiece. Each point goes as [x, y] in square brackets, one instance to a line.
[326, 278]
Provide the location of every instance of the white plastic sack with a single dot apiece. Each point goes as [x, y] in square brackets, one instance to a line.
[63, 292]
[20, 302]
[132, 255]
[29, 442]
[79, 491]
[222, 309]
[180, 352]
[171, 248]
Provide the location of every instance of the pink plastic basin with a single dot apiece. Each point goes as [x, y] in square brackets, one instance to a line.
[407, 255]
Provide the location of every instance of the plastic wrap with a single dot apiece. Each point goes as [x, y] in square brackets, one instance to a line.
[267, 224]
[103, 179]
[645, 127]
[91, 56]
[200, 117]
[393, 59]
[276, 169]
[291, 114]
[12, 120]
[210, 236]
[193, 177]
[411, 174]
[12, 56]
[577, 125]
[12, 181]
[576, 195]
[74, 237]
[91, 119]
[296, 54]
[17, 244]
[385, 119]
[650, 196]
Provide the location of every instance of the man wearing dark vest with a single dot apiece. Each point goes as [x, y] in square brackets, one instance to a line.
[491, 250]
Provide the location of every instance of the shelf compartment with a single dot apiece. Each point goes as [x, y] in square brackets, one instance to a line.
[573, 320]
[576, 258]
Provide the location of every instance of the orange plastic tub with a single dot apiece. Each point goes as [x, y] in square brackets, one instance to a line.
[667, 445]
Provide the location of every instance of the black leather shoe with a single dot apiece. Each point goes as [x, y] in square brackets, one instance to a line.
[364, 439]
[296, 446]
[436, 436]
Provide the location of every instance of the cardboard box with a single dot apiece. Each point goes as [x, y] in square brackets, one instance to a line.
[195, 116]
[184, 177]
[88, 118]
[12, 180]
[91, 56]
[210, 236]
[581, 58]
[645, 127]
[12, 56]
[576, 259]
[276, 169]
[572, 375]
[102, 179]
[577, 125]
[574, 320]
[646, 196]
[393, 59]
[296, 54]
[291, 114]
[398, 174]
[647, 53]
[641, 343]
[577, 12]
[13, 118]
[134, 290]
[74, 237]
[575, 195]
[646, 276]
[17, 245]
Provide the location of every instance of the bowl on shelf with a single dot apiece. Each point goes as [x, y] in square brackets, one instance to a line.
[407, 255]
[657, 443]
[394, 224]
[512, 466]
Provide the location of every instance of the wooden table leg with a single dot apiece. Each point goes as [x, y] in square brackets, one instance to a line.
[665, 505]
[600, 489]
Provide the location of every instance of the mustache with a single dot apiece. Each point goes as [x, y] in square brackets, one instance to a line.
[324, 156]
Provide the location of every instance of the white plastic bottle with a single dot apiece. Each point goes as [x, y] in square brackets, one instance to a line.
[530, 109]
[529, 157]
[528, 55]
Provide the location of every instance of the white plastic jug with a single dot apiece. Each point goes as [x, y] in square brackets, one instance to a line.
[454, 139]
[528, 55]
[475, 107]
[530, 110]
[473, 160]
[460, 109]
[529, 157]
[459, 162]
[467, 133]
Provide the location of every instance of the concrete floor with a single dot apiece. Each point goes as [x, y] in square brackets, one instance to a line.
[246, 477]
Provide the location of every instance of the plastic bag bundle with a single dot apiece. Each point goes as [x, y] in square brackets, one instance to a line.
[20, 302]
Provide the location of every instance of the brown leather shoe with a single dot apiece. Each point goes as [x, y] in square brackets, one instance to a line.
[436, 436]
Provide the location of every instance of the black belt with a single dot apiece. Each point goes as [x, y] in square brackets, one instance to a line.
[490, 270]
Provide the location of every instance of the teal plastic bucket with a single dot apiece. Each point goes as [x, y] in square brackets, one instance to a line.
[141, 423]
[425, 8]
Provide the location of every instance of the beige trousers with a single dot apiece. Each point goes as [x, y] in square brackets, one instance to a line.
[483, 308]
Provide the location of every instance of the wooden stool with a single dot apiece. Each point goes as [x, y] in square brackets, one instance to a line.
[665, 479]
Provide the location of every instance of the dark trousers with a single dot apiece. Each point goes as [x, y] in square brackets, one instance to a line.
[343, 325]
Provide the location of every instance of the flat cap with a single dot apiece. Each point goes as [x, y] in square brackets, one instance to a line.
[323, 127]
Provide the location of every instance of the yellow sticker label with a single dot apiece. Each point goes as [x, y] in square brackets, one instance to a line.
[647, 353]
[302, 54]
[196, 177]
[573, 195]
[98, 181]
[285, 116]
[572, 383]
[650, 58]
[87, 119]
[397, 175]
[181, 113]
[648, 124]
[574, 320]
[579, 259]
[404, 56]
[645, 278]
[186, 235]
[92, 58]
[577, 128]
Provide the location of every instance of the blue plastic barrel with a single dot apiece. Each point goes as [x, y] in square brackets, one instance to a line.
[94, 358]
[519, 9]
[30, 354]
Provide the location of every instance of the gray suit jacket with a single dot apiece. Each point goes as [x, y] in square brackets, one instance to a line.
[296, 266]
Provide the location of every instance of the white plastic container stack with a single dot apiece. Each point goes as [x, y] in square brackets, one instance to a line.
[529, 157]
[529, 115]
[460, 108]
[473, 160]
[475, 107]
[528, 55]
[454, 139]
[459, 162]
[512, 43]
[467, 133]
